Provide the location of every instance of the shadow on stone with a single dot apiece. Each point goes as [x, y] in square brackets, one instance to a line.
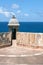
[5, 39]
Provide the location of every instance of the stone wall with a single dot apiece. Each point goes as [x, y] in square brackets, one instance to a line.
[34, 39]
[5, 38]
[23, 38]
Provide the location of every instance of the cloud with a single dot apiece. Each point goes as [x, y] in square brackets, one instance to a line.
[26, 14]
[6, 13]
[19, 11]
[1, 10]
[15, 6]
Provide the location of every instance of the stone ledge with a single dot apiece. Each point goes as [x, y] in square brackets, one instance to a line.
[3, 46]
[5, 39]
[30, 46]
[33, 39]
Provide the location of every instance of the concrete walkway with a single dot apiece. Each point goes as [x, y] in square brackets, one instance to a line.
[16, 55]
[18, 50]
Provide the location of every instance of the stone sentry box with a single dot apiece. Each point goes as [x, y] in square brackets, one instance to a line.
[13, 26]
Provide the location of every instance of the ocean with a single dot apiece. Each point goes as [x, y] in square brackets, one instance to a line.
[24, 27]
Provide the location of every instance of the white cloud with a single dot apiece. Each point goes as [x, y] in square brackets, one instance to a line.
[6, 13]
[1, 10]
[19, 11]
[12, 13]
[15, 6]
[26, 14]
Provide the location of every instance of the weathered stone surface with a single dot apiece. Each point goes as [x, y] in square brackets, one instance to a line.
[5, 38]
[23, 38]
[39, 39]
[34, 39]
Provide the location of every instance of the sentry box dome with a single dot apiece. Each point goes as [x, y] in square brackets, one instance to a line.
[13, 26]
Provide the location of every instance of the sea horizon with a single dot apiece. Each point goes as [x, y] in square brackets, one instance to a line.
[24, 27]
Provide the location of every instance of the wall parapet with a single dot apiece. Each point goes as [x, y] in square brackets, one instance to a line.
[26, 38]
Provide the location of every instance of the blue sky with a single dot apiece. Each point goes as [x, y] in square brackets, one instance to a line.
[24, 10]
